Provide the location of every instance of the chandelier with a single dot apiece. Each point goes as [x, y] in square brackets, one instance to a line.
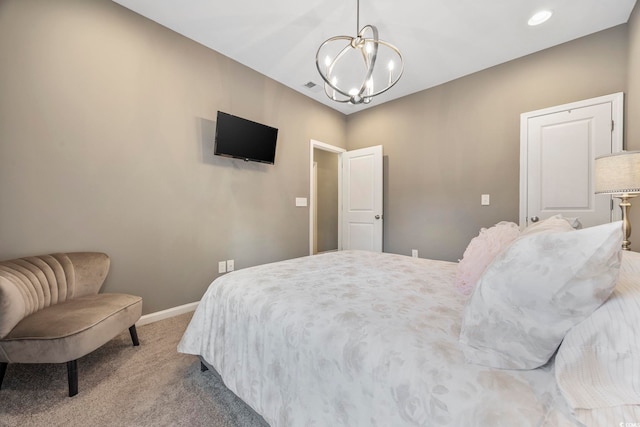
[355, 69]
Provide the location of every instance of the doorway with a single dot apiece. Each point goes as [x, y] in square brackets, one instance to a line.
[359, 198]
[326, 201]
[325, 228]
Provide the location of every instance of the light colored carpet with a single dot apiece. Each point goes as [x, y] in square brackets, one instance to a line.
[122, 385]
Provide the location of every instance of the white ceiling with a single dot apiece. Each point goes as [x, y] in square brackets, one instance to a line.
[440, 40]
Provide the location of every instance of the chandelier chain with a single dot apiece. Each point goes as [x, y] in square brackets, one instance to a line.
[357, 16]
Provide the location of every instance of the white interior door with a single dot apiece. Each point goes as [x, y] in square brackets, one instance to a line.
[559, 147]
[362, 199]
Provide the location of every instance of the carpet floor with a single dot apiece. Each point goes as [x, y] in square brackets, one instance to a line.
[122, 385]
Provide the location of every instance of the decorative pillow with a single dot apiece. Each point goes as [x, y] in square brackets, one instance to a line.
[535, 291]
[598, 363]
[552, 224]
[481, 251]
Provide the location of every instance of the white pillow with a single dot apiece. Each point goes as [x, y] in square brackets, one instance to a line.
[535, 291]
[598, 363]
[481, 250]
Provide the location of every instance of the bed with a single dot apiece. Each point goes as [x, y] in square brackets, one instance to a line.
[356, 338]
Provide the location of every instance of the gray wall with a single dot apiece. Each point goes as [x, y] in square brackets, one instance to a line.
[632, 115]
[327, 237]
[633, 86]
[106, 130]
[446, 146]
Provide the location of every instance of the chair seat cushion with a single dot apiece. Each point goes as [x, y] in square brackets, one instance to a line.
[70, 330]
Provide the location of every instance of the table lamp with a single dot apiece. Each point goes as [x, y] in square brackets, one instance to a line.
[618, 174]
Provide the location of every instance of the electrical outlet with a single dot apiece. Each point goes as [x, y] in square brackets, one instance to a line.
[230, 265]
[222, 267]
[414, 253]
[485, 200]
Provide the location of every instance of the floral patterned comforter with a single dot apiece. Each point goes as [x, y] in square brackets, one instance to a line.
[359, 339]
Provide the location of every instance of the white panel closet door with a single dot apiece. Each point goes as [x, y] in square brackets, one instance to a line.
[561, 150]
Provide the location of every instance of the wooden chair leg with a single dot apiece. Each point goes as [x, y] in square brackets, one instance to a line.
[134, 335]
[3, 369]
[72, 375]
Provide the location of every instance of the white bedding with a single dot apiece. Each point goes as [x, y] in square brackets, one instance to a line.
[359, 339]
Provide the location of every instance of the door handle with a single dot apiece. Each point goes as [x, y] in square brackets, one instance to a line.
[377, 217]
[534, 219]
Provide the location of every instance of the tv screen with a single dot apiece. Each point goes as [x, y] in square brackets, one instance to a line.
[244, 139]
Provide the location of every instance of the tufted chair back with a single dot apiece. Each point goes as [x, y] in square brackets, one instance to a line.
[32, 283]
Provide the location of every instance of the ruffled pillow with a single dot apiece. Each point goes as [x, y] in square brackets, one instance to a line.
[481, 251]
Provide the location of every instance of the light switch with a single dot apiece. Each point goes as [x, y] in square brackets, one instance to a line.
[485, 200]
[301, 201]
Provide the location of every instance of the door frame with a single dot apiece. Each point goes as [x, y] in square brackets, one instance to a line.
[332, 149]
[617, 115]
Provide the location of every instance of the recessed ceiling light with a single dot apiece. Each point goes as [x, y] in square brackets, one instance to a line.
[540, 17]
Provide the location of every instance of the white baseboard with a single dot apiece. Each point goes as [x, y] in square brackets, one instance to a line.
[165, 314]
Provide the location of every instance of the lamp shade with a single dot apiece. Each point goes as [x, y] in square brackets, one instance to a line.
[618, 173]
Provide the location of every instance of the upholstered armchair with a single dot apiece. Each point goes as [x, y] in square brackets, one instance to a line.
[51, 311]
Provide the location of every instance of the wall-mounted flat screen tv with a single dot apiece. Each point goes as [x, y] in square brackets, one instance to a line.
[243, 139]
